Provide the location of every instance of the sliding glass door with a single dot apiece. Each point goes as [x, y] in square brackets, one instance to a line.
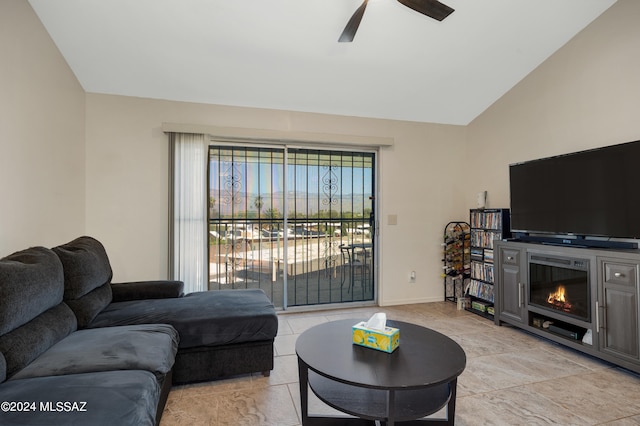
[297, 223]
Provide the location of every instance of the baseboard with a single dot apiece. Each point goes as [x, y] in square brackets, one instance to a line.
[411, 301]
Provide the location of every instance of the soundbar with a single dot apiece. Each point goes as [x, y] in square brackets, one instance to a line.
[580, 242]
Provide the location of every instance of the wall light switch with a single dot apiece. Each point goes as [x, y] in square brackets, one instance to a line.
[392, 219]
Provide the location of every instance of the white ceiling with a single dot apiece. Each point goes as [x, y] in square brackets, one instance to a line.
[284, 54]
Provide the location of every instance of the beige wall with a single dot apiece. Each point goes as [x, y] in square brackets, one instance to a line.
[127, 184]
[41, 136]
[584, 96]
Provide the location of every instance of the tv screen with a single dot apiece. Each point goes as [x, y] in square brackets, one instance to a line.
[587, 193]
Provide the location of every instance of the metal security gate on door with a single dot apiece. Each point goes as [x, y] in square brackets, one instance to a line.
[297, 223]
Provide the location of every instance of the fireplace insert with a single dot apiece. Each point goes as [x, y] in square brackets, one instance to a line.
[560, 285]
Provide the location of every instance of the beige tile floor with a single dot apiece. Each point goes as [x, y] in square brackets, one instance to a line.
[511, 378]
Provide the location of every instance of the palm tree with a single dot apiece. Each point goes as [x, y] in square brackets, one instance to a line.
[258, 203]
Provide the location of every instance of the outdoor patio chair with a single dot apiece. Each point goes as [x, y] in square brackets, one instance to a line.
[354, 267]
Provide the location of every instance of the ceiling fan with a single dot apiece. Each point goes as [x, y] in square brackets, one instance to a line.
[431, 8]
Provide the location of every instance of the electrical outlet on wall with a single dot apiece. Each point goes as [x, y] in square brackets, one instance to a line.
[412, 276]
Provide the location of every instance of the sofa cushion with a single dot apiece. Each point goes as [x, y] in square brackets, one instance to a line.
[31, 282]
[105, 398]
[29, 341]
[207, 318]
[149, 347]
[87, 274]
[88, 306]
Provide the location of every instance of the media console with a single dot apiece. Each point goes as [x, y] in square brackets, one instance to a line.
[584, 298]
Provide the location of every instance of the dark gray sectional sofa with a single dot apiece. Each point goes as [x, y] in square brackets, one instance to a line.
[78, 349]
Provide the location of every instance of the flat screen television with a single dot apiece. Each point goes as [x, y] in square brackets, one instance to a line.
[586, 193]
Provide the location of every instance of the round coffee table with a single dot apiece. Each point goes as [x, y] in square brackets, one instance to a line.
[416, 380]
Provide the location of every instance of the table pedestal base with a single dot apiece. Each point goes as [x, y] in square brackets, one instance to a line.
[375, 406]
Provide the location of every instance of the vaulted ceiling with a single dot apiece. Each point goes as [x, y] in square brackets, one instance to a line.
[284, 54]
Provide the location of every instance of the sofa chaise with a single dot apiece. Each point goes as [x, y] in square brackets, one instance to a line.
[222, 333]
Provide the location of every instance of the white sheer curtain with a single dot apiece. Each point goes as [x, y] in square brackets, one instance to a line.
[189, 254]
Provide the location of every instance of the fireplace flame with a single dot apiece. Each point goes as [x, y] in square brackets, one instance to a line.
[557, 296]
[558, 299]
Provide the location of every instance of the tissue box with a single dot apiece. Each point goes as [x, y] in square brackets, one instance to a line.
[385, 341]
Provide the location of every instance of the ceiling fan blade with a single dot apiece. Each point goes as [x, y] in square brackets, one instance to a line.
[352, 26]
[431, 8]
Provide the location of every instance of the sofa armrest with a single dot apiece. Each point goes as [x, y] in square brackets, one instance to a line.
[160, 289]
